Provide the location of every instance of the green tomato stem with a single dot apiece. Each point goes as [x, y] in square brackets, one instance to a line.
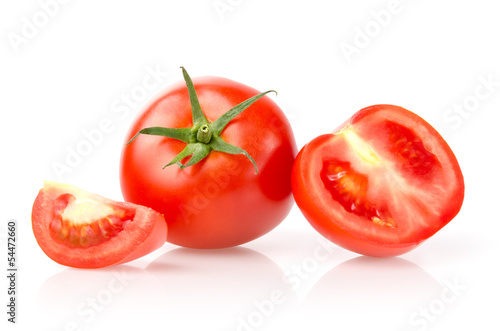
[204, 134]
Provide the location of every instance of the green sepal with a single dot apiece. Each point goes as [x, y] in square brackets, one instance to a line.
[219, 145]
[227, 117]
[198, 152]
[183, 134]
[198, 117]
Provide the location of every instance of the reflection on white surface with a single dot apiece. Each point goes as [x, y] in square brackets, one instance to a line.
[184, 289]
[80, 299]
[229, 289]
[386, 292]
[243, 290]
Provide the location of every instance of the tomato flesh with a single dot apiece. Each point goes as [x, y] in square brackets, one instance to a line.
[381, 184]
[68, 229]
[410, 150]
[84, 230]
[349, 188]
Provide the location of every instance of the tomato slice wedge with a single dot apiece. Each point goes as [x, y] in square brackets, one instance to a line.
[84, 230]
[381, 184]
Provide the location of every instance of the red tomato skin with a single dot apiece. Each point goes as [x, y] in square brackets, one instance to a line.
[219, 202]
[332, 229]
[148, 230]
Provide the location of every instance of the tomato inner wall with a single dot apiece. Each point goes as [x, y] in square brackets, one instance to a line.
[410, 150]
[349, 188]
[75, 234]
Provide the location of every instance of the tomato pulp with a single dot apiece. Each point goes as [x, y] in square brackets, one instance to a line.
[84, 230]
[220, 201]
[381, 184]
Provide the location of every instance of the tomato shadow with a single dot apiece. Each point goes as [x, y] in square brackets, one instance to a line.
[219, 287]
[370, 293]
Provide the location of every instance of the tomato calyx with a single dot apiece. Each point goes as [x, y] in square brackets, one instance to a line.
[203, 136]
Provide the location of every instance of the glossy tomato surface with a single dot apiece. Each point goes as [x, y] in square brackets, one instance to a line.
[84, 230]
[220, 201]
[381, 184]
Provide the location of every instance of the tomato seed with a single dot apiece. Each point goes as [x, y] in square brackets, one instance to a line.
[410, 150]
[349, 189]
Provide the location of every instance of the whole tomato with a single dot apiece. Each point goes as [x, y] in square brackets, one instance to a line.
[215, 157]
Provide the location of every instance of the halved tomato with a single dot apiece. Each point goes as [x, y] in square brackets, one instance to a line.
[84, 230]
[381, 184]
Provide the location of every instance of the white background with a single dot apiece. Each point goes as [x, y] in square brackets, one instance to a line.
[66, 75]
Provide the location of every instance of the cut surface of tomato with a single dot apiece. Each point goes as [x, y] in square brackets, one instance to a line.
[380, 185]
[84, 230]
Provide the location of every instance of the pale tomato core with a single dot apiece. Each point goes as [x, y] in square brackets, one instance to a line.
[72, 226]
